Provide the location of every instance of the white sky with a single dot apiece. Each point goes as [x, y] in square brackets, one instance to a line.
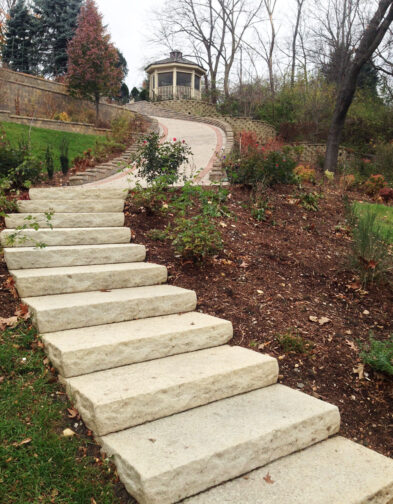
[128, 25]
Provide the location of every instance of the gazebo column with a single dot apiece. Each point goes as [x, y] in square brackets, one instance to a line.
[193, 84]
[156, 84]
[174, 84]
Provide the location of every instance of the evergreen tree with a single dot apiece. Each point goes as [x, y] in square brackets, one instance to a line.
[124, 94]
[135, 93]
[56, 25]
[19, 51]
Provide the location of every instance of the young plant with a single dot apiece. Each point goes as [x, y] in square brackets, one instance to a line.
[293, 342]
[370, 255]
[64, 157]
[196, 237]
[49, 165]
[309, 201]
[378, 355]
[156, 159]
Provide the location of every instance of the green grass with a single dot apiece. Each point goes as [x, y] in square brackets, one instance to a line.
[48, 468]
[40, 138]
[384, 217]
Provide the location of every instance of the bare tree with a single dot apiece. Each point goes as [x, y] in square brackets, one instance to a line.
[299, 4]
[369, 42]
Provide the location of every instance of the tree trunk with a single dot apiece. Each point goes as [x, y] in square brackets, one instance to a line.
[369, 42]
[97, 104]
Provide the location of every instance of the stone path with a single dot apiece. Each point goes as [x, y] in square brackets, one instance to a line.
[206, 141]
[179, 410]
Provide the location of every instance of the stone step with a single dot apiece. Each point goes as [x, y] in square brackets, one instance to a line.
[72, 311]
[66, 236]
[336, 471]
[81, 351]
[172, 458]
[47, 281]
[71, 193]
[71, 206]
[67, 220]
[74, 255]
[119, 398]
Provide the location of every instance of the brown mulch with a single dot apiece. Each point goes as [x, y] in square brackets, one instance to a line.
[270, 278]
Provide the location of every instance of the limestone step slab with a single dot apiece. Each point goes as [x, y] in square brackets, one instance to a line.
[89, 349]
[172, 458]
[73, 255]
[55, 193]
[67, 220]
[66, 236]
[71, 206]
[336, 471]
[46, 281]
[71, 311]
[115, 399]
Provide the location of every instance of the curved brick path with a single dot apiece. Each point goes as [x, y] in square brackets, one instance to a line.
[205, 142]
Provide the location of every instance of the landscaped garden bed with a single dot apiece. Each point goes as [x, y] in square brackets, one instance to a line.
[286, 285]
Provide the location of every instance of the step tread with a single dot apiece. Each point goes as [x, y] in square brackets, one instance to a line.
[76, 193]
[73, 255]
[67, 220]
[79, 351]
[334, 471]
[122, 397]
[178, 456]
[71, 206]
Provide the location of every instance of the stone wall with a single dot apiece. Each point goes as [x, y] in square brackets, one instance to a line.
[312, 153]
[263, 130]
[30, 96]
[72, 127]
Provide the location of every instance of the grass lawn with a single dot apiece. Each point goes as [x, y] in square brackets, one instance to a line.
[37, 463]
[41, 138]
[384, 216]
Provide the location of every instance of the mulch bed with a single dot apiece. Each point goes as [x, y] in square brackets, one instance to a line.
[270, 278]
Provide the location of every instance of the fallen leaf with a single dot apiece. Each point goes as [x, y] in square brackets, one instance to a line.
[313, 319]
[323, 321]
[359, 371]
[93, 501]
[8, 322]
[10, 285]
[73, 413]
[105, 290]
[354, 286]
[244, 265]
[351, 344]
[23, 311]
[268, 479]
[25, 441]
[68, 433]
[152, 440]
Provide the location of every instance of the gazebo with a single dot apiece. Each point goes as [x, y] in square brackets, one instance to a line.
[175, 78]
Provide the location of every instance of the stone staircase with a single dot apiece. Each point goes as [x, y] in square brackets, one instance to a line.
[184, 415]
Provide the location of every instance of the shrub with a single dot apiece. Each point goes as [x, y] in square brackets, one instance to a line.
[305, 173]
[196, 237]
[370, 254]
[293, 342]
[309, 201]
[347, 182]
[64, 159]
[378, 355]
[374, 184]
[151, 198]
[49, 165]
[155, 159]
[6, 204]
[260, 208]
[27, 173]
[63, 116]
[384, 160]
[121, 129]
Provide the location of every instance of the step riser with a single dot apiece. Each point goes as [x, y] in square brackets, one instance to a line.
[223, 443]
[190, 391]
[60, 319]
[86, 282]
[70, 193]
[128, 349]
[59, 237]
[52, 257]
[71, 206]
[68, 220]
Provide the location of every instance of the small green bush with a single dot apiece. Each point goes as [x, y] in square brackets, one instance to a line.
[7, 204]
[378, 355]
[27, 173]
[49, 165]
[293, 342]
[310, 201]
[64, 155]
[196, 237]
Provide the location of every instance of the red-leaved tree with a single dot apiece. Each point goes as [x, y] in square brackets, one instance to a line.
[93, 61]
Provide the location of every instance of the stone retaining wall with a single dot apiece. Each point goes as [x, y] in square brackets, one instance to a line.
[72, 127]
[30, 96]
[312, 154]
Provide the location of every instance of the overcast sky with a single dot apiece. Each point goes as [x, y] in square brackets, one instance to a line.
[128, 25]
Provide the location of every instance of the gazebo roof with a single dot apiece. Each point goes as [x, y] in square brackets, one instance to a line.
[175, 57]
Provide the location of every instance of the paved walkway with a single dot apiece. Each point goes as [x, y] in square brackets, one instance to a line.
[205, 142]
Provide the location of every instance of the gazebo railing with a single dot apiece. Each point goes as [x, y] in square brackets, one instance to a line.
[182, 93]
